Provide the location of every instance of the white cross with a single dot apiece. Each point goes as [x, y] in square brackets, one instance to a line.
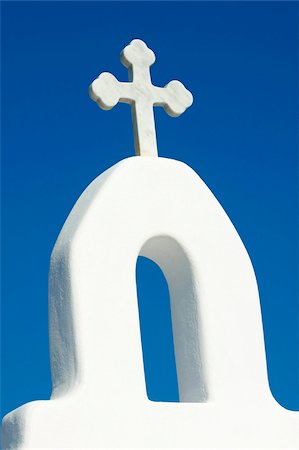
[107, 91]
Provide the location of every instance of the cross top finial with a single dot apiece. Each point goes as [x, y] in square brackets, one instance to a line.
[141, 94]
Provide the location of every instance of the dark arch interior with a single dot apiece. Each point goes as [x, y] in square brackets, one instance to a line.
[172, 338]
[156, 332]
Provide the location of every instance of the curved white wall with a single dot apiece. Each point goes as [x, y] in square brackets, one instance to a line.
[161, 209]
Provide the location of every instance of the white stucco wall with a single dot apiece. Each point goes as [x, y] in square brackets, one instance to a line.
[161, 209]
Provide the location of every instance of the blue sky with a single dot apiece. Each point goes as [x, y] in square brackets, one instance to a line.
[240, 61]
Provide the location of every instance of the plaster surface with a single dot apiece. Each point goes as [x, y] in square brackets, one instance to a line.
[161, 209]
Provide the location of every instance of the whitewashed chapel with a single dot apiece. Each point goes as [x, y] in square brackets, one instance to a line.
[99, 396]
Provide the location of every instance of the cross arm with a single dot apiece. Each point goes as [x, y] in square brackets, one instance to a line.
[107, 91]
[174, 98]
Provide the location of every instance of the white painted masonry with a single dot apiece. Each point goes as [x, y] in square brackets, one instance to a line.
[161, 209]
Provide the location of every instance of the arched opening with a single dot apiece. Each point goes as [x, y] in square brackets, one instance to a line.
[156, 332]
[170, 330]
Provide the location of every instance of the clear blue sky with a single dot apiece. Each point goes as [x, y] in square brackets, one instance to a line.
[240, 61]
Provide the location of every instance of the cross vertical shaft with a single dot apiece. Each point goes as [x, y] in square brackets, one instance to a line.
[145, 139]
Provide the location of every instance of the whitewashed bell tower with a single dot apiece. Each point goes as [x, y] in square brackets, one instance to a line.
[99, 397]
